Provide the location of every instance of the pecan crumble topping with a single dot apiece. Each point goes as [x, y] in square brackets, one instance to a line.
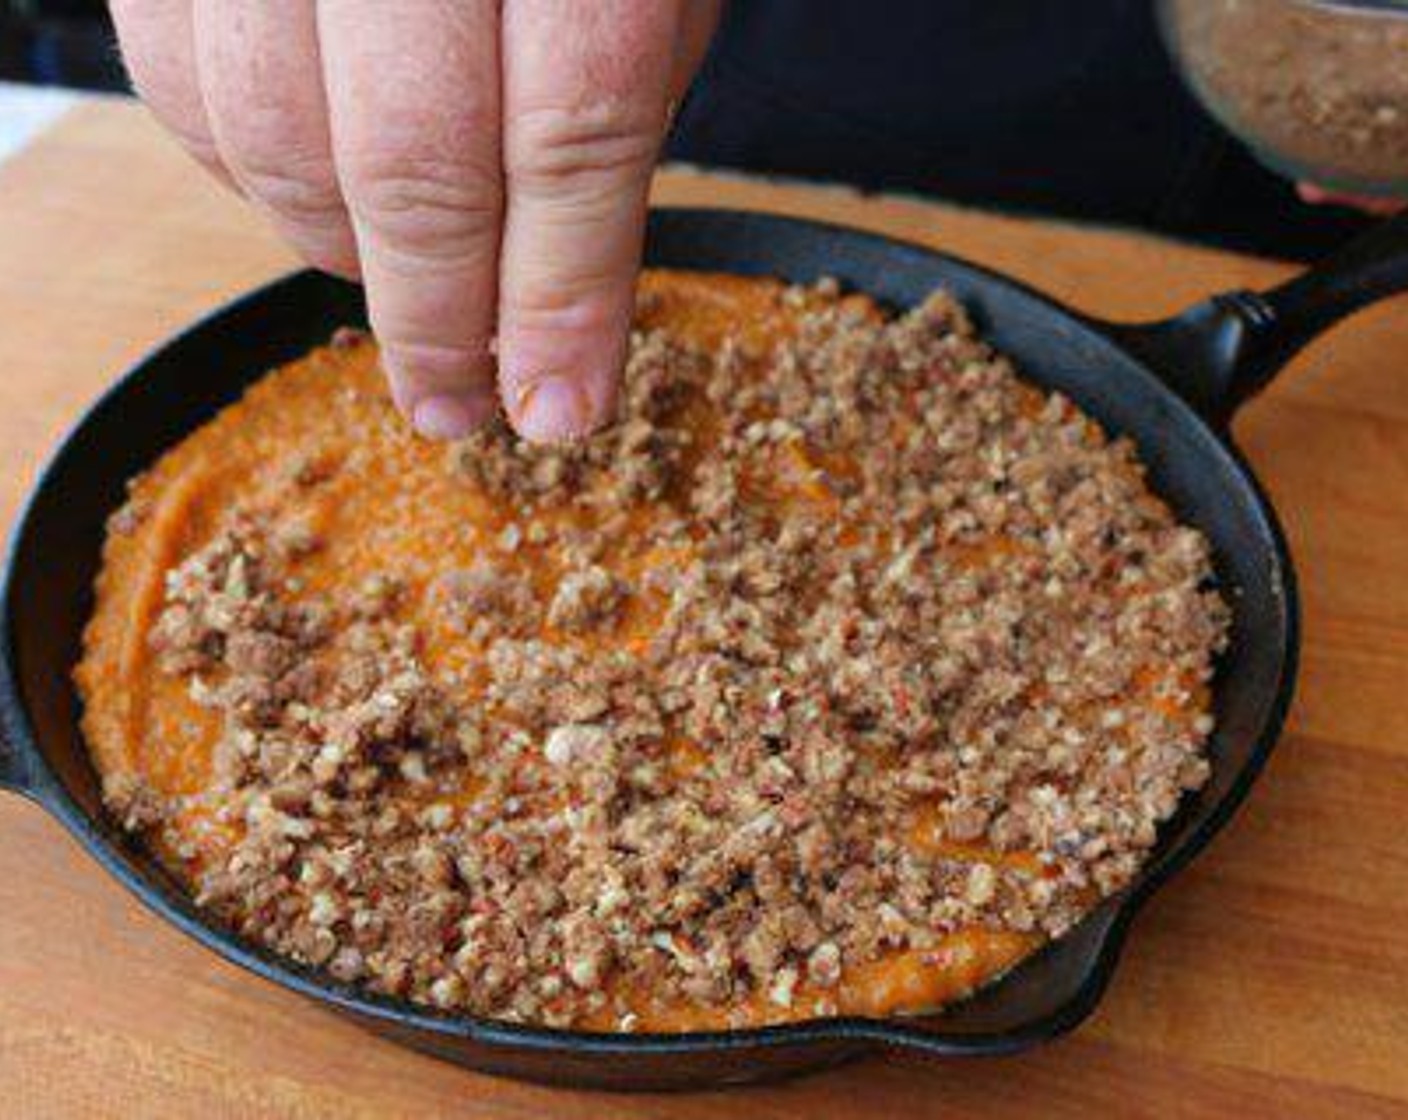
[829, 649]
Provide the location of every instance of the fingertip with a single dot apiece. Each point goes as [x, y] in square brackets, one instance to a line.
[331, 249]
[551, 408]
[447, 416]
[339, 262]
[1311, 193]
[1316, 195]
[560, 356]
[445, 392]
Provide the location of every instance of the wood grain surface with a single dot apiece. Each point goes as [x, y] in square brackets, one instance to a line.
[1269, 979]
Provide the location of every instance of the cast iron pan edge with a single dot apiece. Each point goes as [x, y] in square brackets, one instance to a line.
[552, 1055]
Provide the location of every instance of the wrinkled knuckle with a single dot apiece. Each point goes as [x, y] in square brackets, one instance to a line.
[557, 149]
[432, 208]
[304, 194]
[579, 302]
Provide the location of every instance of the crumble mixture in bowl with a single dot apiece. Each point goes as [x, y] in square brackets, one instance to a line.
[840, 674]
[1317, 88]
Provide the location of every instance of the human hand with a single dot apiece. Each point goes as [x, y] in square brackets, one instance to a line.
[482, 166]
[1317, 195]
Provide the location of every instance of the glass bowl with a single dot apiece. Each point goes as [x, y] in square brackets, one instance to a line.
[1317, 88]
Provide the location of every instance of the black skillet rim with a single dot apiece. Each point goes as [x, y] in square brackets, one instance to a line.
[1116, 913]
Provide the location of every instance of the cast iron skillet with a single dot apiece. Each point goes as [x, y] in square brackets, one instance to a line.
[1172, 386]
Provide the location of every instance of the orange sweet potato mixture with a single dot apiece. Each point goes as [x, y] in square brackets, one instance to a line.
[839, 674]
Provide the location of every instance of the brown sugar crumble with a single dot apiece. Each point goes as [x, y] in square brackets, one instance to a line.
[837, 646]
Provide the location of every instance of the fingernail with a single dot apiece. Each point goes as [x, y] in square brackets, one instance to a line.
[552, 409]
[451, 415]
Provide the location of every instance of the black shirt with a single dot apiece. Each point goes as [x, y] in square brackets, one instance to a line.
[1066, 107]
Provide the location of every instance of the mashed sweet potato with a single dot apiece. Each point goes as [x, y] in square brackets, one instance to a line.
[837, 676]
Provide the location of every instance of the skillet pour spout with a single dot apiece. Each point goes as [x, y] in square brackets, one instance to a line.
[1169, 386]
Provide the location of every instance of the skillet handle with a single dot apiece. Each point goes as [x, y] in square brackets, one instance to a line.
[1220, 353]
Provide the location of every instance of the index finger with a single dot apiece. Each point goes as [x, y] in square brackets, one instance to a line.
[413, 102]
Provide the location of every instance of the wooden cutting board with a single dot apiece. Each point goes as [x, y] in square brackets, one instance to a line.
[1270, 978]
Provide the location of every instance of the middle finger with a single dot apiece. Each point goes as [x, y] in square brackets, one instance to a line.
[413, 91]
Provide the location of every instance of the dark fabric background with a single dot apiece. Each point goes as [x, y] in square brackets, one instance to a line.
[1069, 107]
[1066, 107]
